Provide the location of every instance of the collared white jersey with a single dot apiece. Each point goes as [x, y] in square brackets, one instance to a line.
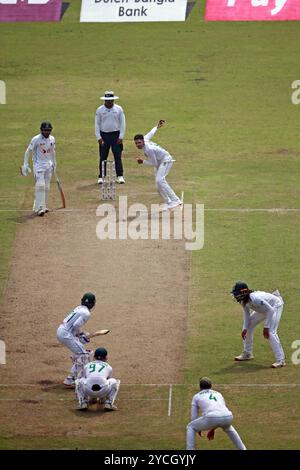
[78, 317]
[261, 302]
[209, 403]
[110, 120]
[154, 153]
[98, 369]
[43, 152]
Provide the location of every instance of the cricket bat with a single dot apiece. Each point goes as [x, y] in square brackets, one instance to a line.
[63, 200]
[98, 333]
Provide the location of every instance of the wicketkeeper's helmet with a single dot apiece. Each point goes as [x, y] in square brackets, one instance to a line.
[100, 353]
[46, 126]
[88, 300]
[240, 291]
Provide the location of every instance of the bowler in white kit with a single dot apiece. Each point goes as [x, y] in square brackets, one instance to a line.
[69, 334]
[215, 414]
[97, 383]
[260, 306]
[162, 162]
[42, 148]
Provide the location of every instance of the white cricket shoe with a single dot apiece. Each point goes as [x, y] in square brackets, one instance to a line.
[275, 365]
[120, 180]
[245, 356]
[100, 180]
[174, 204]
[82, 406]
[41, 212]
[69, 382]
[110, 407]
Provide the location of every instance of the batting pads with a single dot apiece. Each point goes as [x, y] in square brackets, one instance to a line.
[40, 196]
[42, 187]
[79, 361]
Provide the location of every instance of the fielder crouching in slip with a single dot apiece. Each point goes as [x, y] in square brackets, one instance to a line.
[69, 334]
[215, 414]
[97, 384]
[260, 306]
[42, 147]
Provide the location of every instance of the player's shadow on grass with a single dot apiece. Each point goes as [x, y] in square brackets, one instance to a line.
[92, 413]
[21, 219]
[88, 187]
[237, 368]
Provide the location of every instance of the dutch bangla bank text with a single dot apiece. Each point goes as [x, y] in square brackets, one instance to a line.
[141, 4]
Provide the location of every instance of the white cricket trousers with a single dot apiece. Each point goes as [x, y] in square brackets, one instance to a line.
[108, 389]
[72, 343]
[162, 186]
[42, 185]
[206, 423]
[255, 319]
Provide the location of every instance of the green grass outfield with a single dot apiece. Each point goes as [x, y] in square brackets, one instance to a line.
[225, 92]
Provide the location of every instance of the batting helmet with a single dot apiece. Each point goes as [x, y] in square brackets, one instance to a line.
[46, 126]
[240, 291]
[100, 353]
[88, 300]
[205, 383]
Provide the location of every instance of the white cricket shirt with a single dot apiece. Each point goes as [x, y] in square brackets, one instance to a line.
[98, 368]
[209, 403]
[110, 120]
[154, 153]
[261, 302]
[43, 152]
[78, 317]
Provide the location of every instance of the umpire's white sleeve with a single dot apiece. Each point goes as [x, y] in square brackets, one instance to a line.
[97, 125]
[122, 125]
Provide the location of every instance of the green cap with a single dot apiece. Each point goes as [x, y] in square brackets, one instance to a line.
[46, 126]
[88, 299]
[100, 353]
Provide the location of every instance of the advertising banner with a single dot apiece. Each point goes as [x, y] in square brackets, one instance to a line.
[132, 10]
[30, 10]
[252, 10]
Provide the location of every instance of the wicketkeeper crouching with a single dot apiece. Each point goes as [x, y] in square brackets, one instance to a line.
[97, 384]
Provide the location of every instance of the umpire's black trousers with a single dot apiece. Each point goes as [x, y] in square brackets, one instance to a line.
[110, 140]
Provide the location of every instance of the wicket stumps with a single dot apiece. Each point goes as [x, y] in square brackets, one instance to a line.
[108, 189]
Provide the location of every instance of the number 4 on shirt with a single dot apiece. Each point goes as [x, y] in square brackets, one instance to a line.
[212, 397]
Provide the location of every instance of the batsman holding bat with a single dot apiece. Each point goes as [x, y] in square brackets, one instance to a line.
[162, 162]
[42, 147]
[69, 334]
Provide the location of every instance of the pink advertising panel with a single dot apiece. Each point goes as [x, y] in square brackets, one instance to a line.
[30, 10]
[252, 10]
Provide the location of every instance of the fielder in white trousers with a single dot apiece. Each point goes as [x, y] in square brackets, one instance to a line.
[260, 306]
[97, 383]
[42, 148]
[256, 318]
[215, 414]
[69, 333]
[162, 162]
